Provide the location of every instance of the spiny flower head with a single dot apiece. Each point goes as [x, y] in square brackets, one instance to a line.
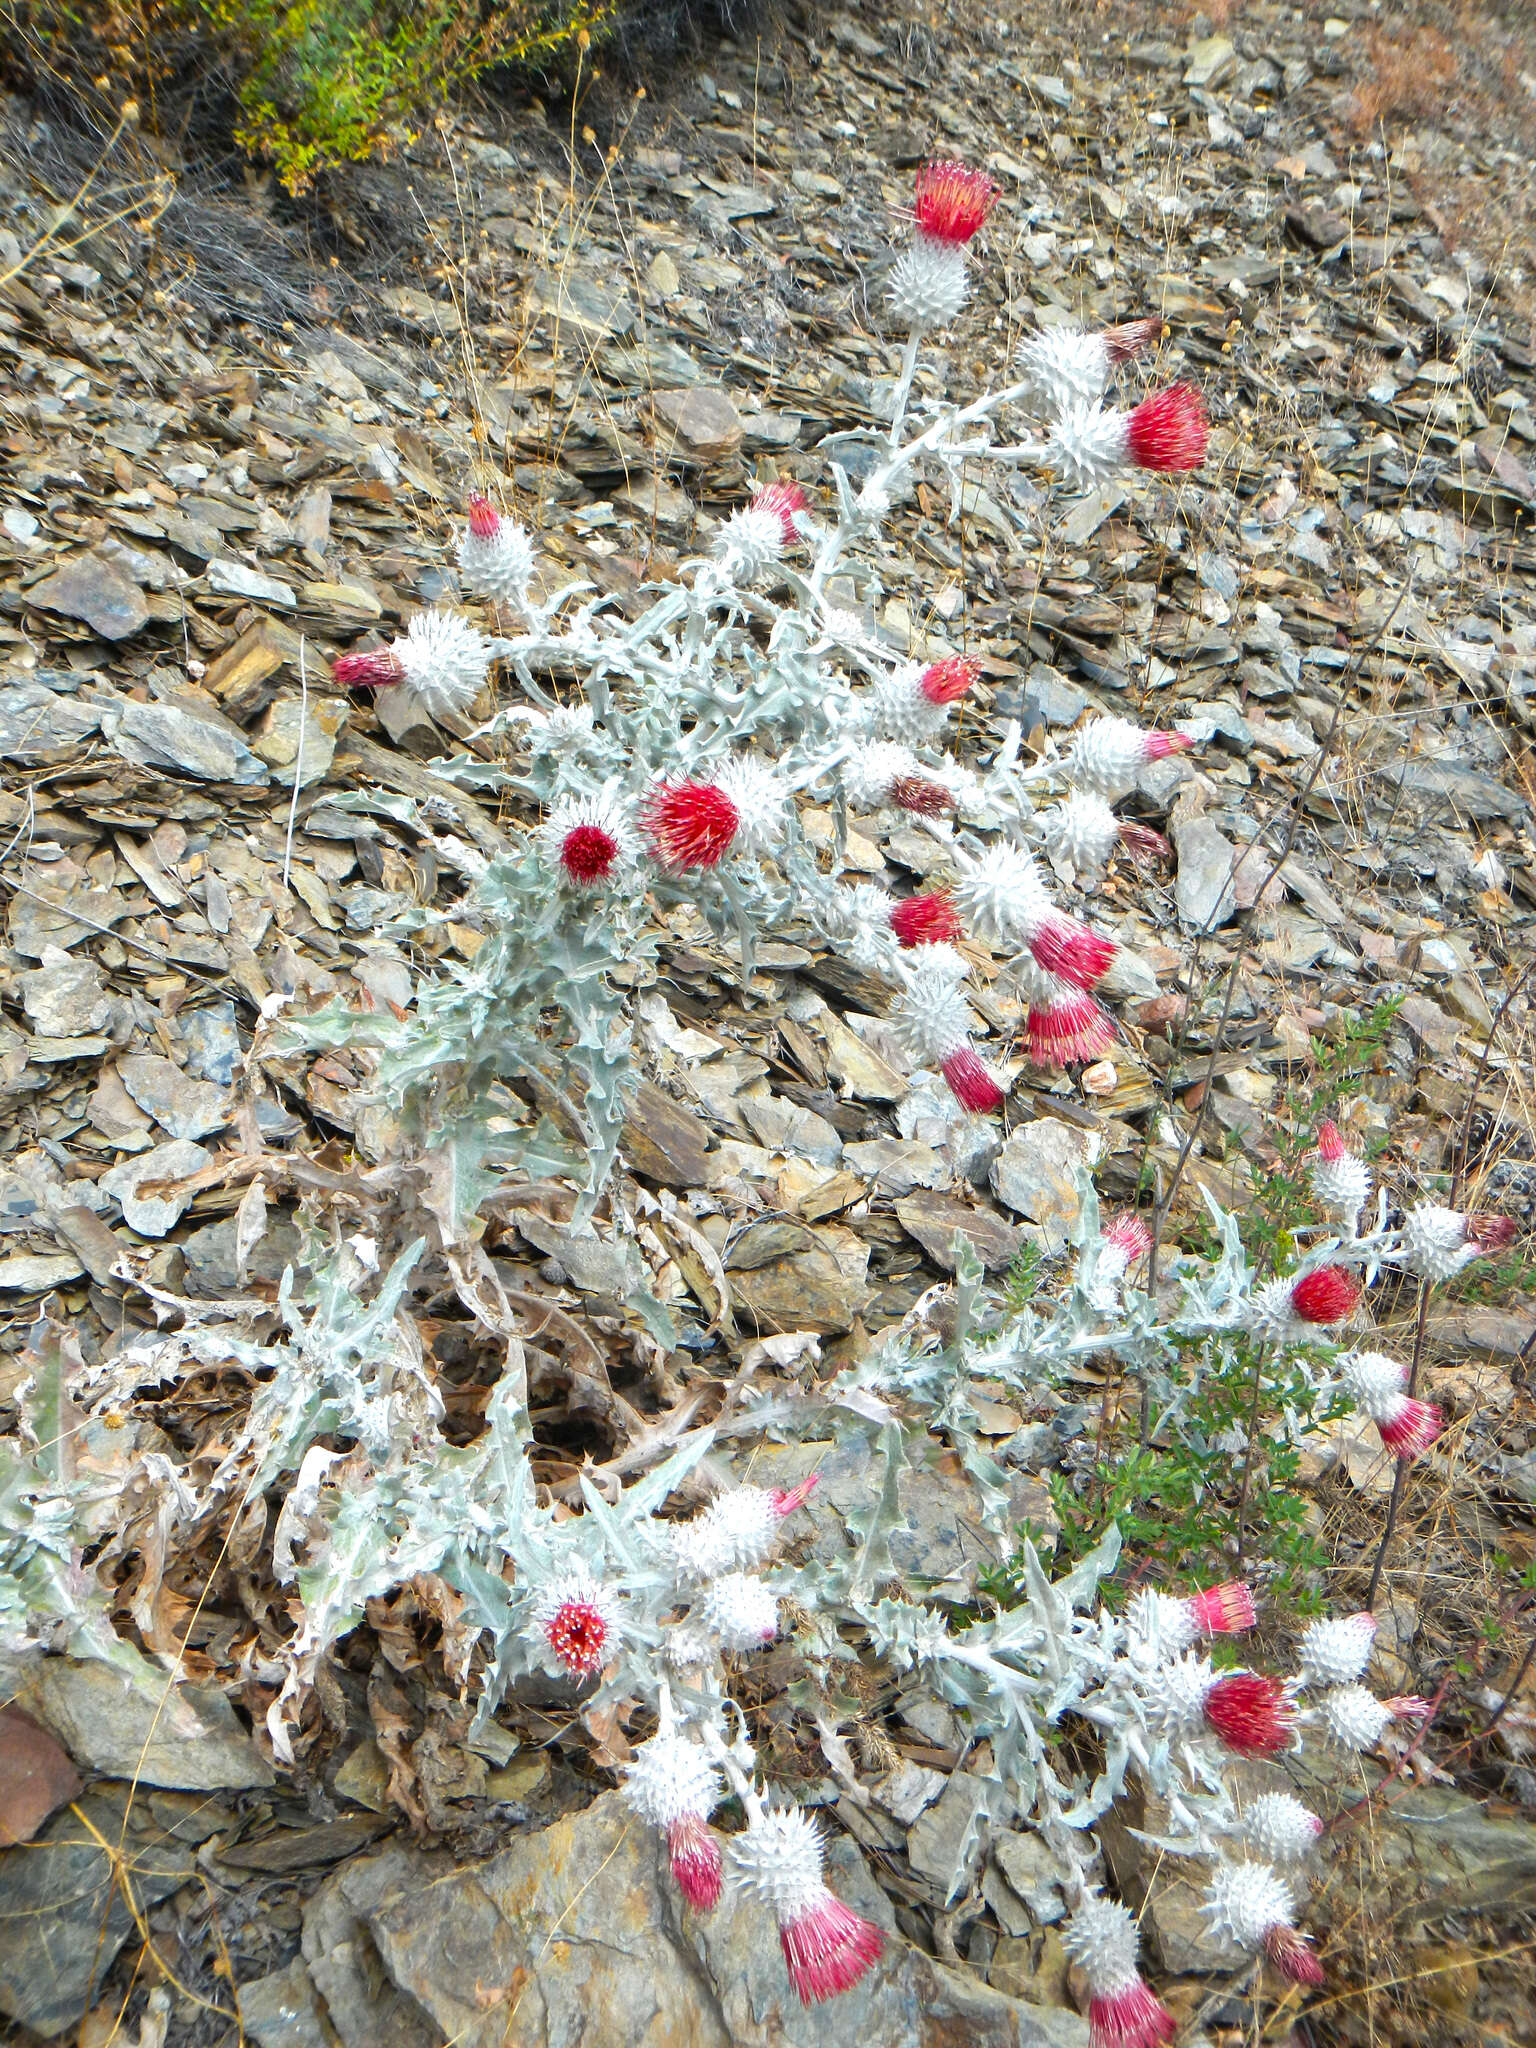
[925, 920]
[1066, 1028]
[1280, 1828]
[1289, 1308]
[1375, 1384]
[953, 201]
[827, 1946]
[1108, 753]
[1129, 337]
[1336, 1650]
[1354, 1718]
[1255, 1907]
[1170, 1625]
[689, 824]
[1341, 1180]
[970, 1083]
[1253, 1714]
[1438, 1242]
[920, 795]
[1071, 950]
[870, 775]
[587, 841]
[1001, 895]
[927, 286]
[1081, 831]
[1129, 1237]
[740, 1610]
[738, 1529]
[373, 668]
[671, 1777]
[931, 1014]
[784, 501]
[446, 661]
[576, 1619]
[945, 682]
[758, 795]
[1168, 431]
[1141, 842]
[903, 710]
[496, 557]
[1101, 1938]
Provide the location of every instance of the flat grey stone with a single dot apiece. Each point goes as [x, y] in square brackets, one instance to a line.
[1205, 890]
[64, 998]
[182, 741]
[95, 590]
[1037, 1172]
[182, 1105]
[154, 1215]
[186, 1737]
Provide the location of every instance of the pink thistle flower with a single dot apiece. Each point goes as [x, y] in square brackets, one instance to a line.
[1068, 1028]
[1161, 744]
[924, 799]
[1375, 1384]
[973, 1087]
[945, 682]
[576, 1618]
[953, 201]
[1168, 431]
[1330, 1141]
[577, 1634]
[1223, 1610]
[784, 501]
[1130, 337]
[1073, 951]
[1409, 1433]
[1107, 754]
[587, 853]
[1129, 1236]
[827, 1946]
[1141, 842]
[1252, 1714]
[1328, 1294]
[697, 1864]
[926, 920]
[484, 519]
[371, 668]
[1292, 1954]
[1123, 2012]
[1488, 1233]
[689, 824]
[787, 1499]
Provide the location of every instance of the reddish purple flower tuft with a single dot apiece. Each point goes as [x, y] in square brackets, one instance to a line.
[1223, 1610]
[1251, 1713]
[373, 667]
[1159, 745]
[1073, 1028]
[1330, 1141]
[1130, 1235]
[973, 1087]
[785, 501]
[1410, 1433]
[1141, 842]
[1292, 1955]
[587, 854]
[829, 1948]
[696, 1861]
[1328, 1295]
[944, 682]
[1134, 2017]
[689, 824]
[917, 794]
[1168, 431]
[578, 1634]
[953, 201]
[1490, 1233]
[785, 1499]
[1072, 951]
[1130, 337]
[929, 920]
[484, 519]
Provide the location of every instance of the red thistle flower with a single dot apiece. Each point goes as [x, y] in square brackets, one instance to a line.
[928, 920]
[1134, 2017]
[943, 682]
[689, 824]
[1130, 337]
[1409, 1433]
[973, 1087]
[953, 201]
[1168, 431]
[484, 519]
[923, 798]
[577, 1632]
[786, 1499]
[371, 667]
[1252, 1714]
[1074, 1028]
[1328, 1295]
[1223, 1610]
[1141, 842]
[1128, 1234]
[828, 1948]
[1330, 1141]
[1072, 951]
[1291, 1953]
[1489, 1232]
[696, 1861]
[785, 500]
[1161, 744]
[587, 853]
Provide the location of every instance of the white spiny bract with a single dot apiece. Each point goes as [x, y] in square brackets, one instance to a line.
[749, 542]
[445, 661]
[1247, 1901]
[927, 285]
[1064, 367]
[1082, 832]
[1435, 1242]
[740, 1610]
[899, 710]
[932, 1016]
[1279, 1829]
[1341, 1180]
[1087, 446]
[758, 792]
[1002, 896]
[1337, 1649]
[496, 556]
[671, 1778]
[1354, 1718]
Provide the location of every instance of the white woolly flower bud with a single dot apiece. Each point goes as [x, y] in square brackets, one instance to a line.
[869, 774]
[860, 920]
[927, 285]
[445, 661]
[670, 1779]
[1374, 1383]
[498, 565]
[1336, 1651]
[931, 1015]
[1280, 1828]
[749, 542]
[741, 1610]
[568, 729]
[1123, 2012]
[900, 710]
[1066, 367]
[1087, 444]
[1002, 897]
[1082, 832]
[1354, 1718]
[1246, 1900]
[1107, 753]
[1435, 1242]
[759, 795]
